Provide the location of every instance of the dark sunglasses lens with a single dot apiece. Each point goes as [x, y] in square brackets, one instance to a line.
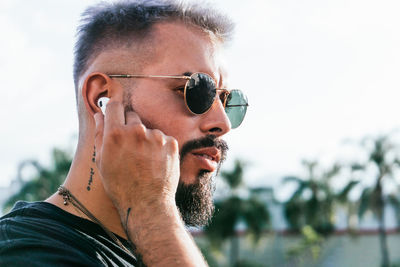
[236, 107]
[200, 93]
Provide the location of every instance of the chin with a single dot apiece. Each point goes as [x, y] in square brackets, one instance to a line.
[196, 178]
[195, 200]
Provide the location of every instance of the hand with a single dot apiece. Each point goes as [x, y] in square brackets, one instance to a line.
[140, 173]
[139, 166]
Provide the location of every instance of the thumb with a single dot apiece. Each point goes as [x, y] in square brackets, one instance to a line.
[98, 137]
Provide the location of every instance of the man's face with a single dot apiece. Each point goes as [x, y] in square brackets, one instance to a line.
[181, 50]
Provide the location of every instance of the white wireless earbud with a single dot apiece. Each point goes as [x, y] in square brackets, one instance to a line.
[102, 104]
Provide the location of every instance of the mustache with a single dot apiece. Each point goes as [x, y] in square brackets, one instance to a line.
[207, 141]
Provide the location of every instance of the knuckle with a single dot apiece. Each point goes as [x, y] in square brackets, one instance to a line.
[173, 144]
[116, 134]
[158, 136]
[139, 130]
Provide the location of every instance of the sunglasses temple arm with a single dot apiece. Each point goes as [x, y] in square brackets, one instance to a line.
[147, 76]
[241, 105]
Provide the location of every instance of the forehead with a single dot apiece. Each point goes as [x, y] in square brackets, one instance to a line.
[172, 48]
[180, 48]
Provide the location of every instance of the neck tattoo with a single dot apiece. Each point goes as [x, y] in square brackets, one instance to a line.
[91, 170]
[90, 179]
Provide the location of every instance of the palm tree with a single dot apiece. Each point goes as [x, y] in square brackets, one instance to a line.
[241, 205]
[312, 202]
[342, 198]
[394, 200]
[382, 160]
[46, 180]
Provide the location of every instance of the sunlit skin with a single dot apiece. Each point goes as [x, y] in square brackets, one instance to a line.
[159, 105]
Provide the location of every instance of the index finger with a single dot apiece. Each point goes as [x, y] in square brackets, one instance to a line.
[115, 109]
[132, 118]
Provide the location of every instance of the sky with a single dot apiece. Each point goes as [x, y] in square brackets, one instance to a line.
[316, 73]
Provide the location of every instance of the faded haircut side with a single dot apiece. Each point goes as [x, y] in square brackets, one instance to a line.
[122, 23]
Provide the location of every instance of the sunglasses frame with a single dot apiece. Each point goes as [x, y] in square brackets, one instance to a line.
[187, 78]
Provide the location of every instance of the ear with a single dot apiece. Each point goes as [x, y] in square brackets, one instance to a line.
[97, 85]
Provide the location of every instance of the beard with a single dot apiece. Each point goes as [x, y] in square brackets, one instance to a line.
[195, 201]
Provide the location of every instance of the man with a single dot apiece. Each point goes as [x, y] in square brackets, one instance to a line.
[144, 169]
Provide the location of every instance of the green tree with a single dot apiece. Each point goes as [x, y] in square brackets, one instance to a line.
[312, 202]
[382, 161]
[241, 205]
[46, 180]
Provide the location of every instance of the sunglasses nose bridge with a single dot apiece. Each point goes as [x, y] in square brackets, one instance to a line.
[223, 96]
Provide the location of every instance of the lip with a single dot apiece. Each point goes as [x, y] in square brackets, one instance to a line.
[208, 157]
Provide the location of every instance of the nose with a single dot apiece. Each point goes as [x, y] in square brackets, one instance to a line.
[215, 121]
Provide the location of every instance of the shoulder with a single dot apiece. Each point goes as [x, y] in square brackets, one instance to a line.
[30, 234]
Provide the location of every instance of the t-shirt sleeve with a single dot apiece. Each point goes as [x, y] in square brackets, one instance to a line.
[23, 245]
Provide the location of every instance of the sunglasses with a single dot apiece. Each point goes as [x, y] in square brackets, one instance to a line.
[200, 92]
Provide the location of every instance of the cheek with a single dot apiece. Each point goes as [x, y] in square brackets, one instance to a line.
[166, 113]
[151, 107]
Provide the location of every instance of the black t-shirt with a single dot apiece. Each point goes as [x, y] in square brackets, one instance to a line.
[41, 234]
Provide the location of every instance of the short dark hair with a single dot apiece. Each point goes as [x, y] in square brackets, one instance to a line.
[124, 22]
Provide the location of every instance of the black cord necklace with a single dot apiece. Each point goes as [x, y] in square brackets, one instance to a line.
[70, 198]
